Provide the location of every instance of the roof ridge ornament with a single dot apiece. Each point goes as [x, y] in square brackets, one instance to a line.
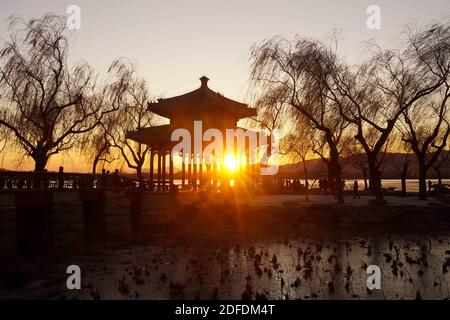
[204, 81]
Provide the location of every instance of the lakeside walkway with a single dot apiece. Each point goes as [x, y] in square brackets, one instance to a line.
[283, 199]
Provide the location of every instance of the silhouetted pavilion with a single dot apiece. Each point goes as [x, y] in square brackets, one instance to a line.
[212, 108]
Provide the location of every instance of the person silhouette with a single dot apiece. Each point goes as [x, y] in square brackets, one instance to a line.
[355, 190]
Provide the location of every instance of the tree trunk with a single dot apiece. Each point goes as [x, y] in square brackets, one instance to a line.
[40, 161]
[140, 177]
[375, 177]
[364, 172]
[336, 170]
[98, 156]
[338, 182]
[422, 179]
[439, 175]
[94, 165]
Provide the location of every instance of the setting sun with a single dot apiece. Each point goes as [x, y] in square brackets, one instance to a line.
[230, 163]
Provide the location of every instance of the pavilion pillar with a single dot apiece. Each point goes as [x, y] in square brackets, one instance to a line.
[252, 173]
[194, 172]
[164, 170]
[255, 173]
[170, 171]
[247, 163]
[250, 165]
[152, 156]
[189, 175]
[214, 174]
[208, 174]
[183, 171]
[224, 180]
[200, 173]
[159, 170]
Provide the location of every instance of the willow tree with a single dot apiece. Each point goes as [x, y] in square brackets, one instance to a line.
[130, 95]
[46, 104]
[379, 92]
[442, 160]
[301, 71]
[403, 161]
[297, 145]
[272, 112]
[3, 139]
[426, 130]
[355, 157]
[96, 147]
[426, 122]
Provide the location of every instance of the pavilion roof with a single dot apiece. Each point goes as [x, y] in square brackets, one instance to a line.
[198, 102]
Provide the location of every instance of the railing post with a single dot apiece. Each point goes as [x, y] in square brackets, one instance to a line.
[61, 178]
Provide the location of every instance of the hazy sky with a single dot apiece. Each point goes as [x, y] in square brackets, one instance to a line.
[173, 42]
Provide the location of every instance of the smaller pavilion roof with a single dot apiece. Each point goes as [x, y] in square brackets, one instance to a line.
[153, 136]
[158, 136]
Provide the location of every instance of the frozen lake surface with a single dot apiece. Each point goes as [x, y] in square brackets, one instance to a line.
[287, 267]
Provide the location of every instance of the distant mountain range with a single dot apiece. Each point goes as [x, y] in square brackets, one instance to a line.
[391, 164]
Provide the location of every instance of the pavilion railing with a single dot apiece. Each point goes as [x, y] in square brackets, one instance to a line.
[63, 180]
